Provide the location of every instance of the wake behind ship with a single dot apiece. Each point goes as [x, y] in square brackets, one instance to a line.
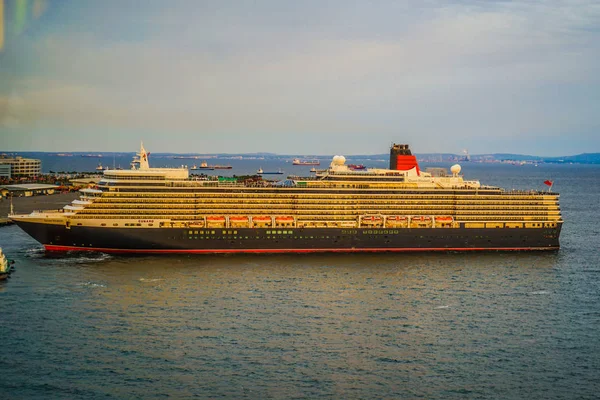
[163, 210]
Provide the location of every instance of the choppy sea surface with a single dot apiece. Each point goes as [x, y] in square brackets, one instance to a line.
[344, 326]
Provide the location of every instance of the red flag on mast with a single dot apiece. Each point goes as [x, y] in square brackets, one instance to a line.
[548, 182]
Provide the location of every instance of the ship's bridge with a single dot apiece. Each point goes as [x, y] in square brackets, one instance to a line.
[146, 174]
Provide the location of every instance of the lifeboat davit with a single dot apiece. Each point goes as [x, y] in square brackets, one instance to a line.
[397, 218]
[262, 221]
[397, 221]
[420, 221]
[372, 220]
[238, 219]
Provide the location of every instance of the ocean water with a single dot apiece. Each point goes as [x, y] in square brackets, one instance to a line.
[347, 326]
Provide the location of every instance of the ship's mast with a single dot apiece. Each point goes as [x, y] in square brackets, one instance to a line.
[143, 157]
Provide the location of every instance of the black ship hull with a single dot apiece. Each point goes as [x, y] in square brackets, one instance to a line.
[290, 240]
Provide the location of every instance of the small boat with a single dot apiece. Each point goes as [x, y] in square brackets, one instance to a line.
[261, 172]
[99, 167]
[6, 266]
[313, 169]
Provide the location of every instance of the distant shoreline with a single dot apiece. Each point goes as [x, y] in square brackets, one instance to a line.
[583, 158]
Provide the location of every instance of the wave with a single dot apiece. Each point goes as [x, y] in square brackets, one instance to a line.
[77, 257]
[151, 279]
[35, 252]
[92, 285]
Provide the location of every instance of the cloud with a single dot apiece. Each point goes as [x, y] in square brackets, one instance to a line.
[448, 71]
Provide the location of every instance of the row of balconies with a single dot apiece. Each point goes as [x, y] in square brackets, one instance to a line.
[335, 208]
[283, 193]
[311, 217]
[342, 200]
[258, 211]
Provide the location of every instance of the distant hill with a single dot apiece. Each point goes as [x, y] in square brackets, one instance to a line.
[585, 158]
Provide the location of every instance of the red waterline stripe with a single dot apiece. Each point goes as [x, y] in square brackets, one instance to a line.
[351, 250]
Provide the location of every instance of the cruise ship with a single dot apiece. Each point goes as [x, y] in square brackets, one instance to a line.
[339, 209]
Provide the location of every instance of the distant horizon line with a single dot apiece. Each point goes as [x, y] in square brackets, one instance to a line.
[92, 153]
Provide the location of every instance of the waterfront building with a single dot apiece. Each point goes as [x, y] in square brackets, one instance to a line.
[19, 166]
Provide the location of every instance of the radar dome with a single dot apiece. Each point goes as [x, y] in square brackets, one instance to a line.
[455, 169]
[339, 160]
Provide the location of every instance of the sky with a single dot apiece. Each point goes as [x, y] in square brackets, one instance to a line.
[300, 77]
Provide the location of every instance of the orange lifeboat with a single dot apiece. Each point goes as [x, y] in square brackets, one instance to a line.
[372, 220]
[420, 221]
[215, 221]
[394, 221]
[284, 221]
[238, 221]
[444, 221]
[262, 221]
[397, 218]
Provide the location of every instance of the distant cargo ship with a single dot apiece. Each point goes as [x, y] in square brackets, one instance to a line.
[203, 165]
[298, 161]
[261, 172]
[401, 208]
[356, 166]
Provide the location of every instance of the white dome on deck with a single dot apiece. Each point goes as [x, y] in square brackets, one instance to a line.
[339, 160]
[455, 169]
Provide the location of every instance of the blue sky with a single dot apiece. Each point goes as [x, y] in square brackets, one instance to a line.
[304, 77]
